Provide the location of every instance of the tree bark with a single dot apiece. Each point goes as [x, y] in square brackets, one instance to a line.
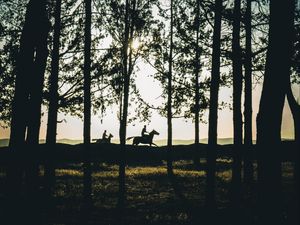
[213, 108]
[35, 100]
[20, 104]
[248, 165]
[130, 40]
[269, 117]
[53, 100]
[295, 109]
[123, 119]
[169, 91]
[197, 88]
[34, 119]
[87, 102]
[197, 70]
[26, 111]
[237, 114]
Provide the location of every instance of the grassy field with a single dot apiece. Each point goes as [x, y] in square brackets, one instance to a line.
[151, 198]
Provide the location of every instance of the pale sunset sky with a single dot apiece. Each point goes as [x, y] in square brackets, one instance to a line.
[150, 91]
[182, 129]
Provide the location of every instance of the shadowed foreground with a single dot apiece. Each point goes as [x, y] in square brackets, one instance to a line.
[111, 153]
[150, 196]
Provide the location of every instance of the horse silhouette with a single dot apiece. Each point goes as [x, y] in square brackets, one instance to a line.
[147, 139]
[104, 140]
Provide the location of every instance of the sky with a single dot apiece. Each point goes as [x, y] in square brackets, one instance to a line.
[182, 129]
[150, 90]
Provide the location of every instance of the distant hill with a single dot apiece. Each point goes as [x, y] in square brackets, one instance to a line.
[160, 142]
[221, 141]
[4, 142]
[69, 141]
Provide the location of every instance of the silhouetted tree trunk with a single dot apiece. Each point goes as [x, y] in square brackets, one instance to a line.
[248, 166]
[123, 119]
[53, 100]
[295, 109]
[20, 105]
[25, 67]
[87, 101]
[35, 100]
[269, 118]
[169, 91]
[26, 111]
[130, 40]
[197, 71]
[213, 108]
[170, 172]
[237, 94]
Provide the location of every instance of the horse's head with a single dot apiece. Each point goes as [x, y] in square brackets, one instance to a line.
[153, 132]
[110, 136]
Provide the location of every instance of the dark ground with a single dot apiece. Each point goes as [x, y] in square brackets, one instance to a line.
[150, 196]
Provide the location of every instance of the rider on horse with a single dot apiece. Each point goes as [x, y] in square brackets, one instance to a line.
[104, 135]
[145, 138]
[144, 132]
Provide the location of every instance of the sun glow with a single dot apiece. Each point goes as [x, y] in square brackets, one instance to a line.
[135, 44]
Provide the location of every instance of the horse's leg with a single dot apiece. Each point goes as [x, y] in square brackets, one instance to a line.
[137, 141]
[134, 142]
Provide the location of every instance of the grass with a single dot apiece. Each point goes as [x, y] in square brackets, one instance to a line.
[150, 196]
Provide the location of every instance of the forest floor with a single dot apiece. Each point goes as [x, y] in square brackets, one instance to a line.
[151, 198]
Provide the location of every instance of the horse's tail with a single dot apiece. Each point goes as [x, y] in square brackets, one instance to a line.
[129, 138]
